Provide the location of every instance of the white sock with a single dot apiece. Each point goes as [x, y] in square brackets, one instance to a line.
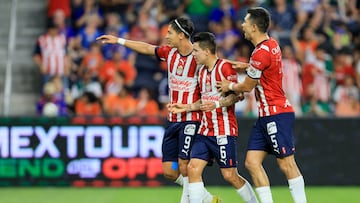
[180, 180]
[207, 197]
[185, 192]
[297, 189]
[247, 193]
[265, 195]
[196, 191]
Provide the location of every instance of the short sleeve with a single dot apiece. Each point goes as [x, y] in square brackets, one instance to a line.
[162, 52]
[229, 73]
[258, 62]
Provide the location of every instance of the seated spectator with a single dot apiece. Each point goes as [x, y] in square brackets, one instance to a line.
[115, 84]
[110, 67]
[88, 105]
[86, 84]
[346, 98]
[312, 106]
[123, 104]
[93, 60]
[145, 104]
[49, 104]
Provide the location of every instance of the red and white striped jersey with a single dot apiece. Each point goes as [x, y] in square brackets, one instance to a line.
[182, 78]
[53, 53]
[220, 121]
[266, 65]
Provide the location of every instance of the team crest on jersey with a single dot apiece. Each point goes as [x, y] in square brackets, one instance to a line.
[179, 70]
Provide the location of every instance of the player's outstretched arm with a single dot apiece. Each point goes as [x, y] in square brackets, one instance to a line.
[140, 47]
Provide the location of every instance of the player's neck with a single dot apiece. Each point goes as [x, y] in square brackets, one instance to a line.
[185, 48]
[260, 38]
[211, 62]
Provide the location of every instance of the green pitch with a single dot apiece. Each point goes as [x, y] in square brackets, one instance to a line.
[337, 194]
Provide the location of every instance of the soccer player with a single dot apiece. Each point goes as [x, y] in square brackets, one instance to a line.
[182, 76]
[273, 131]
[218, 128]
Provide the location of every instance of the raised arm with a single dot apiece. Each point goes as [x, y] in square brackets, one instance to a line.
[140, 47]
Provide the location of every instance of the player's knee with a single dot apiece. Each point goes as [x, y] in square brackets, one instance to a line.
[252, 165]
[230, 176]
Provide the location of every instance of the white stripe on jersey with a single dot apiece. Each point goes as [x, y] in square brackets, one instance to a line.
[225, 113]
[204, 121]
[263, 99]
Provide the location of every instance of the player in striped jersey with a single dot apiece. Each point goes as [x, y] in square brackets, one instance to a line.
[273, 131]
[182, 77]
[218, 129]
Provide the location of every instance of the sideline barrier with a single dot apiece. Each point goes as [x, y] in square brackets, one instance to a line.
[119, 152]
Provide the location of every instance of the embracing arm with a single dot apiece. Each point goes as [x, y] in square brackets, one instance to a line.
[246, 86]
[137, 46]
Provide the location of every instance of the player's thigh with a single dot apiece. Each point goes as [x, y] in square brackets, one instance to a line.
[170, 142]
[279, 133]
[224, 150]
[187, 135]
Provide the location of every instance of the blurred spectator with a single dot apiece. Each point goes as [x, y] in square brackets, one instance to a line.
[122, 104]
[88, 105]
[85, 11]
[50, 54]
[110, 67]
[88, 34]
[315, 73]
[146, 30]
[291, 79]
[50, 104]
[145, 104]
[343, 65]
[283, 16]
[309, 11]
[86, 84]
[173, 9]
[62, 26]
[199, 11]
[93, 60]
[63, 5]
[346, 98]
[312, 106]
[116, 83]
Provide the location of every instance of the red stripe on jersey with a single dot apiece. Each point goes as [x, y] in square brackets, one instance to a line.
[220, 121]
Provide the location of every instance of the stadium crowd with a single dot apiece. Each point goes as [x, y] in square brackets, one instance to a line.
[320, 43]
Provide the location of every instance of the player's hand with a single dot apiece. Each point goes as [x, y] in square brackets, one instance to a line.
[240, 66]
[223, 86]
[241, 96]
[177, 108]
[108, 39]
[207, 106]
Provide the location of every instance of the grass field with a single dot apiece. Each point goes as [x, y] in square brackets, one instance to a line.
[162, 195]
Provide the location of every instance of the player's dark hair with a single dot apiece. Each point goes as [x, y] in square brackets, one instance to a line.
[260, 17]
[183, 25]
[206, 40]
